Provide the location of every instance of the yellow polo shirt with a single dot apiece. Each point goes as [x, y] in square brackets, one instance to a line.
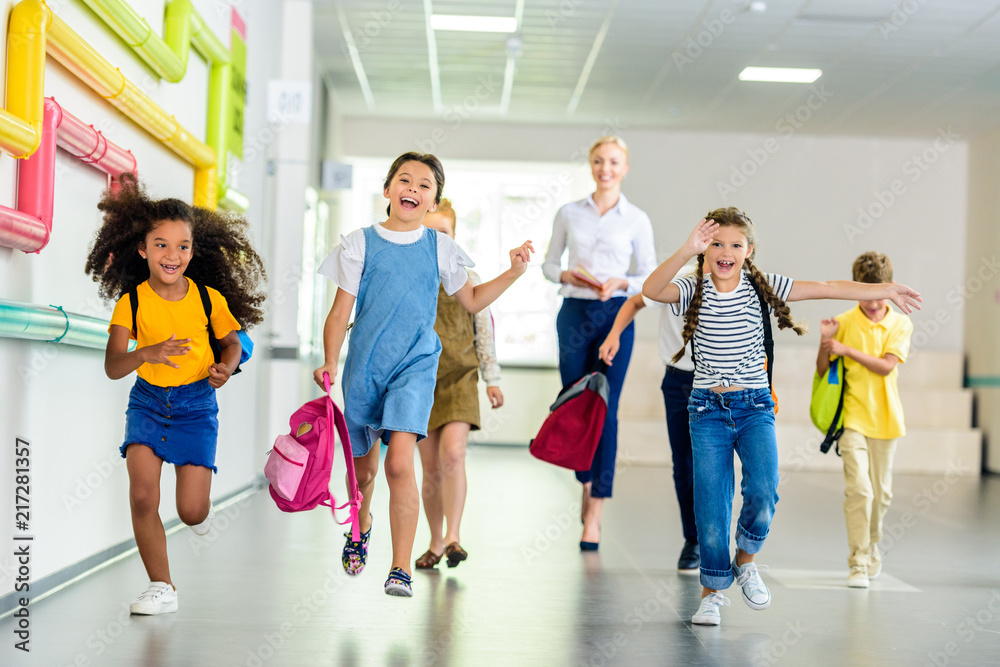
[872, 406]
[158, 318]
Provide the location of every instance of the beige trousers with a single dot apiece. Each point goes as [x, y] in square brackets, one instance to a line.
[867, 492]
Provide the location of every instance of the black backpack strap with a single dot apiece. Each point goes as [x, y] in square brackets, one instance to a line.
[765, 317]
[133, 300]
[206, 303]
[833, 433]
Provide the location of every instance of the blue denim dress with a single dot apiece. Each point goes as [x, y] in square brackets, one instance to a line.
[392, 354]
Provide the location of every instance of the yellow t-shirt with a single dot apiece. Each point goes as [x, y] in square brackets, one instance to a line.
[872, 406]
[158, 318]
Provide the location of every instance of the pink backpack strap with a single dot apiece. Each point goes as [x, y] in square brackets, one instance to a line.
[336, 417]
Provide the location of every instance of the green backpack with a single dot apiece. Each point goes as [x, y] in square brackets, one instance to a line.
[827, 405]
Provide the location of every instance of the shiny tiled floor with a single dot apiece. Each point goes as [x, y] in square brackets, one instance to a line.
[267, 589]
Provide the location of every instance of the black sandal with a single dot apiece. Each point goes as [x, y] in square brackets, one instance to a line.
[455, 553]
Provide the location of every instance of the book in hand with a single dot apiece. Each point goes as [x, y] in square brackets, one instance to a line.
[585, 275]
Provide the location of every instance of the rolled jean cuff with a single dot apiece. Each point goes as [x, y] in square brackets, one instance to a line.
[751, 544]
[718, 580]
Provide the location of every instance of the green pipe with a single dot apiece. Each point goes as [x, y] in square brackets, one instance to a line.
[51, 324]
[168, 57]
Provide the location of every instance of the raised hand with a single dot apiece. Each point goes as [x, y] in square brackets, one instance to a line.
[701, 237]
[161, 352]
[828, 328]
[520, 256]
[905, 299]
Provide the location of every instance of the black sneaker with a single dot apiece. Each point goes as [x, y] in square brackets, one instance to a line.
[690, 557]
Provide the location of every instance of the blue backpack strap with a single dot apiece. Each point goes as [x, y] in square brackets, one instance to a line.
[133, 300]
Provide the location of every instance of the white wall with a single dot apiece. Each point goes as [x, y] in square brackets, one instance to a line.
[57, 396]
[803, 192]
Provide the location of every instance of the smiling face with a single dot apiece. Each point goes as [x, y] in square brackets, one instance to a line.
[411, 192]
[168, 248]
[608, 166]
[724, 257]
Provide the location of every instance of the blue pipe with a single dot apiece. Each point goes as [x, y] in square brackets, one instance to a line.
[51, 324]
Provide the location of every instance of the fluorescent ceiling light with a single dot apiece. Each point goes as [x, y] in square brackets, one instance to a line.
[474, 23]
[780, 74]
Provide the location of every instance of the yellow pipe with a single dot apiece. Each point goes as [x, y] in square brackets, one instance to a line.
[80, 58]
[34, 29]
[21, 124]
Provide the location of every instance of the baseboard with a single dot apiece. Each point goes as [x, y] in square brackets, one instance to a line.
[52, 583]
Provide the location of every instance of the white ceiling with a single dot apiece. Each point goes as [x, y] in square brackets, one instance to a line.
[890, 67]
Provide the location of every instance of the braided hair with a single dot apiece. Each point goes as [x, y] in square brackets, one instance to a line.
[223, 257]
[733, 217]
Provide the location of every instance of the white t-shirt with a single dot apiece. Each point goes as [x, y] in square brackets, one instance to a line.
[346, 262]
[671, 337]
[729, 340]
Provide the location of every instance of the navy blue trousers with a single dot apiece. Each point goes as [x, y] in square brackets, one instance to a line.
[582, 325]
[676, 388]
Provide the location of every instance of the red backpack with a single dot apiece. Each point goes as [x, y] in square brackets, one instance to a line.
[300, 463]
[570, 434]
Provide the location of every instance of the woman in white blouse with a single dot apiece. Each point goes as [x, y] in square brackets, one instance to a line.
[603, 234]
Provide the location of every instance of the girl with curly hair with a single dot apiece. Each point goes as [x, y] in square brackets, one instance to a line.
[730, 408]
[162, 252]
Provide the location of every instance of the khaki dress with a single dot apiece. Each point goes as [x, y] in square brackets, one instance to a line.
[466, 347]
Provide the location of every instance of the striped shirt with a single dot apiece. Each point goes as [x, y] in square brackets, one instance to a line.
[729, 340]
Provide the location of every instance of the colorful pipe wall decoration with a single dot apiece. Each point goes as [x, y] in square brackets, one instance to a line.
[52, 324]
[35, 30]
[28, 228]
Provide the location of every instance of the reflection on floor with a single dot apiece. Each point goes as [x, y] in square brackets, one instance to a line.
[265, 588]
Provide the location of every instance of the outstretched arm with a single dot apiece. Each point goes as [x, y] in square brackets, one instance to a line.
[658, 286]
[905, 298]
[627, 313]
[878, 365]
[334, 332]
[475, 298]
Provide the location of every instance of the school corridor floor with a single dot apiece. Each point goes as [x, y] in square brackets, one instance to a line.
[266, 588]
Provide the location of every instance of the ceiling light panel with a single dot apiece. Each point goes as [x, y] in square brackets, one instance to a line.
[780, 74]
[504, 24]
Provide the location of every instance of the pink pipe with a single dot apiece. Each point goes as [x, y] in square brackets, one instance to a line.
[30, 227]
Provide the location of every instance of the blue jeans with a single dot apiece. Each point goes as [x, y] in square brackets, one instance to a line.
[582, 325]
[676, 388]
[721, 423]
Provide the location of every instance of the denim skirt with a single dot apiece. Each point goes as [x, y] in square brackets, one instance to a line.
[180, 424]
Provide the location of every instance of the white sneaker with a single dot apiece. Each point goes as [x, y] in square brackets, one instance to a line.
[159, 598]
[874, 562]
[708, 610]
[858, 578]
[206, 525]
[755, 593]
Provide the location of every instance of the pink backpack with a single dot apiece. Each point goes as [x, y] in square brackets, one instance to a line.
[300, 463]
